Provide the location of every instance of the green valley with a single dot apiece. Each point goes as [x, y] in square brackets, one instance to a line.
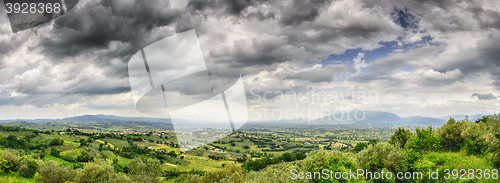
[256, 153]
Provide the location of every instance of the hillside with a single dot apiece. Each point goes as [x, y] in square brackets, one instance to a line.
[260, 154]
[462, 117]
[425, 121]
[367, 118]
[96, 119]
[376, 118]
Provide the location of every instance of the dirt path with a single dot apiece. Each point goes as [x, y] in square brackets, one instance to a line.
[171, 164]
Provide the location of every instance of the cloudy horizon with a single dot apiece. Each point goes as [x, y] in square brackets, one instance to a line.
[411, 58]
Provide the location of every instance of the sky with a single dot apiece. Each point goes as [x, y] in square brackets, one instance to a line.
[296, 58]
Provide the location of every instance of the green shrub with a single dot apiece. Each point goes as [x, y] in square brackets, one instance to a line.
[100, 171]
[54, 152]
[276, 173]
[13, 142]
[3, 162]
[230, 173]
[494, 159]
[41, 155]
[27, 167]
[475, 138]
[360, 146]
[180, 178]
[84, 157]
[315, 161]
[400, 137]
[263, 162]
[474, 146]
[9, 161]
[69, 158]
[53, 172]
[141, 170]
[435, 161]
[382, 156]
[450, 135]
[425, 140]
[56, 142]
[335, 161]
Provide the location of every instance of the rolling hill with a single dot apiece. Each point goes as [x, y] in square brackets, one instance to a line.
[376, 118]
[368, 118]
[96, 119]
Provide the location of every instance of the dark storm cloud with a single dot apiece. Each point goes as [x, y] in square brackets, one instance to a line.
[487, 18]
[128, 25]
[291, 43]
[448, 15]
[302, 11]
[447, 18]
[263, 50]
[484, 96]
[464, 16]
[485, 58]
[95, 25]
[90, 87]
[106, 33]
[232, 7]
[9, 43]
[261, 16]
[489, 58]
[235, 7]
[200, 5]
[443, 4]
[419, 5]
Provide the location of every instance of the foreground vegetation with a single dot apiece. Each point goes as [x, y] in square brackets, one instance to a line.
[257, 155]
[456, 145]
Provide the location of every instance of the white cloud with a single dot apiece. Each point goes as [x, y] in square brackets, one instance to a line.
[359, 63]
[440, 76]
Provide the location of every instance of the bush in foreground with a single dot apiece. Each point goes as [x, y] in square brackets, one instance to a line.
[229, 174]
[53, 172]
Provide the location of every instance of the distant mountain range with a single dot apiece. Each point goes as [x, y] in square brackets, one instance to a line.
[462, 117]
[376, 118]
[368, 118]
[97, 119]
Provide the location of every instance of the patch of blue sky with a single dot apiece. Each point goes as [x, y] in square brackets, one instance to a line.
[406, 20]
[384, 50]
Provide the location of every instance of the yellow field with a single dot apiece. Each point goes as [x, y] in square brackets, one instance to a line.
[166, 147]
[109, 144]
